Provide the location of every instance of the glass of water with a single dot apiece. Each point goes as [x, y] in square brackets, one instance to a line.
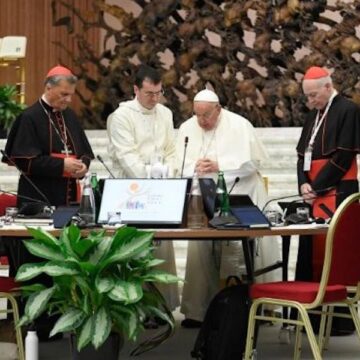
[10, 214]
[114, 218]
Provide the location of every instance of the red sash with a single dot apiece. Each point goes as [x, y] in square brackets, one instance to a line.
[330, 202]
[67, 174]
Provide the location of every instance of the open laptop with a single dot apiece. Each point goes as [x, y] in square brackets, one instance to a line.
[208, 193]
[145, 202]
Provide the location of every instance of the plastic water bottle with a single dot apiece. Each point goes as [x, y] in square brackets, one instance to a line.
[87, 203]
[31, 346]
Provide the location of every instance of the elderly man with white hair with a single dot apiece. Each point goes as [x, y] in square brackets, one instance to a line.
[219, 139]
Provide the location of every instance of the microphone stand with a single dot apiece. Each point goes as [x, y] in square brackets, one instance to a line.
[47, 202]
[184, 156]
[105, 166]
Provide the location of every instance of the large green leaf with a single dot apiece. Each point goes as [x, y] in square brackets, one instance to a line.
[40, 249]
[131, 249]
[69, 236]
[57, 268]
[122, 236]
[102, 327]
[43, 235]
[160, 276]
[37, 302]
[72, 319]
[128, 292]
[84, 246]
[104, 284]
[154, 311]
[86, 333]
[126, 320]
[29, 271]
[101, 250]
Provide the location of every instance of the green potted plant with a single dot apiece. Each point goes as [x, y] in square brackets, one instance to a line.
[9, 107]
[101, 283]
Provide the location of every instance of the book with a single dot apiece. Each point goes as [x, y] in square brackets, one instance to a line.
[12, 47]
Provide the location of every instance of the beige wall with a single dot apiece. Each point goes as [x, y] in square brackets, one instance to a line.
[33, 19]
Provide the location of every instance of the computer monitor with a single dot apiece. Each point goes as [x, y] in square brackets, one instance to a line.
[150, 202]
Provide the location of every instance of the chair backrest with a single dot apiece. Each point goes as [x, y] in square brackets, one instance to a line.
[6, 200]
[342, 249]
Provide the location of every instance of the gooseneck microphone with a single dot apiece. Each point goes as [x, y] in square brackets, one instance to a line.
[47, 202]
[105, 166]
[237, 179]
[186, 141]
[317, 194]
[23, 197]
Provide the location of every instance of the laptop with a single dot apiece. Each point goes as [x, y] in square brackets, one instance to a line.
[145, 202]
[208, 193]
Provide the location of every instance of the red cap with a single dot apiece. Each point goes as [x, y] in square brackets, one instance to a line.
[59, 70]
[315, 72]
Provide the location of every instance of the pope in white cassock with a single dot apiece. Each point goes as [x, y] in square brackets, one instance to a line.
[141, 144]
[219, 140]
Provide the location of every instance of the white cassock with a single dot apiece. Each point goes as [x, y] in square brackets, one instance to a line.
[236, 148]
[137, 136]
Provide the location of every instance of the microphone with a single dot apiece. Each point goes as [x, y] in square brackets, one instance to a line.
[186, 141]
[295, 218]
[317, 193]
[47, 202]
[105, 166]
[237, 179]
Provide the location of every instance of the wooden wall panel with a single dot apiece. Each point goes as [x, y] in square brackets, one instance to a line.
[33, 19]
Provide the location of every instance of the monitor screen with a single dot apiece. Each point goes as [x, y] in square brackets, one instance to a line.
[144, 201]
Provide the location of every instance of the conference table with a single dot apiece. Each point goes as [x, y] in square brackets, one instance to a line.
[245, 235]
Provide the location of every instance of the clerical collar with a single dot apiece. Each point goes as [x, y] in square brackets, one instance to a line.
[144, 110]
[46, 104]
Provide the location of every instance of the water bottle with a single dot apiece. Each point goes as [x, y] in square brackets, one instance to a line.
[31, 346]
[222, 196]
[87, 203]
[97, 193]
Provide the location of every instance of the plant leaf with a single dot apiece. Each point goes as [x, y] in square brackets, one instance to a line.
[29, 271]
[128, 292]
[104, 284]
[37, 302]
[72, 319]
[162, 315]
[101, 250]
[122, 236]
[160, 276]
[86, 333]
[127, 320]
[69, 236]
[57, 268]
[43, 235]
[83, 246]
[102, 327]
[131, 249]
[41, 249]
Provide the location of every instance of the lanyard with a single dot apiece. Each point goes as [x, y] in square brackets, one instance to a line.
[318, 122]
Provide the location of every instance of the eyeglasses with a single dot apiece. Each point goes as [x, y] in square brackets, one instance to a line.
[154, 93]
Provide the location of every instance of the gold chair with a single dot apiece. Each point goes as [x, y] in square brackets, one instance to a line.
[6, 286]
[340, 272]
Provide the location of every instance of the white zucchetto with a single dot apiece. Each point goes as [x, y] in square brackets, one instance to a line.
[206, 96]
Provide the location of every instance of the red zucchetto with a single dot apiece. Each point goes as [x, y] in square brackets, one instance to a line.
[315, 72]
[59, 70]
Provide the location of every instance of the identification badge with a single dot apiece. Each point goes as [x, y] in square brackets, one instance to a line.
[307, 159]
